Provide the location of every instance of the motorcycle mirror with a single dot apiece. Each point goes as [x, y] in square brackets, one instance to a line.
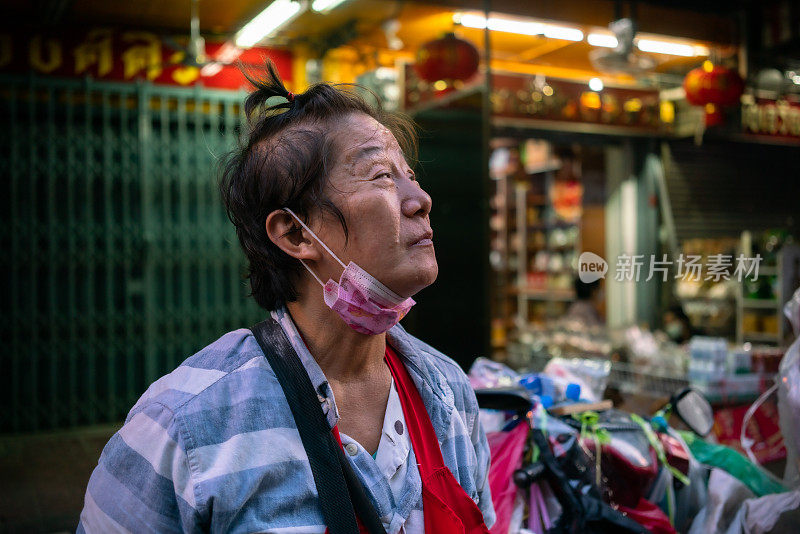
[694, 410]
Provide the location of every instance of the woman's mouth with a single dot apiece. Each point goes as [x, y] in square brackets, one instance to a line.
[424, 239]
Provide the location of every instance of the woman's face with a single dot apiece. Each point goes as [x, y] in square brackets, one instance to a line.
[386, 210]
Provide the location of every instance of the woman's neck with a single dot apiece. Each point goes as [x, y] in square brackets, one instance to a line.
[342, 353]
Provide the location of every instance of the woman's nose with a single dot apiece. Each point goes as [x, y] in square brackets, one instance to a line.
[416, 201]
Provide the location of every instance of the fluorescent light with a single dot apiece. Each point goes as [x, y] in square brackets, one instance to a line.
[522, 27]
[665, 47]
[568, 33]
[470, 21]
[562, 32]
[602, 39]
[267, 22]
[596, 84]
[514, 26]
[500, 24]
[325, 5]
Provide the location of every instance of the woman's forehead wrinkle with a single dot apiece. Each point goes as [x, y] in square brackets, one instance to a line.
[362, 146]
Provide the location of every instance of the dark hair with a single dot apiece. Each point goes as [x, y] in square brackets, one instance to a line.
[283, 160]
[584, 291]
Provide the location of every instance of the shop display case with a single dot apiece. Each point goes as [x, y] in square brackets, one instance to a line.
[709, 303]
[535, 234]
[760, 299]
[742, 304]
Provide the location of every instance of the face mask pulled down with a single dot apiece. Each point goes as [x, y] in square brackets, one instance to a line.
[365, 304]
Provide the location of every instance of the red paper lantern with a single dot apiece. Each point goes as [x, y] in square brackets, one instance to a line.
[713, 87]
[448, 59]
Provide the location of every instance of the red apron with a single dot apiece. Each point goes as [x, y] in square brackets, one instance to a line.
[445, 505]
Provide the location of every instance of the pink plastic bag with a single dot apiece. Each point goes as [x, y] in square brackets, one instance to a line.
[506, 450]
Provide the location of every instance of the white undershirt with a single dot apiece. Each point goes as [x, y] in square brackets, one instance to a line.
[392, 457]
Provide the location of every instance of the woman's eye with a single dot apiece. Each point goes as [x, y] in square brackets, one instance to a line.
[384, 174]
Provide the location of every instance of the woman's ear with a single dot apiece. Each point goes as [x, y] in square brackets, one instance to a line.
[290, 237]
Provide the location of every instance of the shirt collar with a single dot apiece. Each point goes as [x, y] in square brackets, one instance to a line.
[432, 385]
[318, 380]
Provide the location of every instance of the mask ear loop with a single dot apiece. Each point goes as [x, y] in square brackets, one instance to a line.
[310, 231]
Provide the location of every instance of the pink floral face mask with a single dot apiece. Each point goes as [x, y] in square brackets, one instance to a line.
[365, 304]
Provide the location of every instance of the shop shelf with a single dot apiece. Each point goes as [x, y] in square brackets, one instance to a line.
[704, 298]
[760, 303]
[551, 225]
[760, 336]
[767, 271]
[781, 277]
[538, 294]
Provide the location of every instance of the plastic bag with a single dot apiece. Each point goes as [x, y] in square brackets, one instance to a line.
[754, 477]
[591, 375]
[789, 396]
[775, 514]
[486, 373]
[689, 500]
[726, 495]
[652, 352]
[506, 450]
[732, 509]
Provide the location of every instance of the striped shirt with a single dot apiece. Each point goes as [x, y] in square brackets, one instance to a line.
[213, 446]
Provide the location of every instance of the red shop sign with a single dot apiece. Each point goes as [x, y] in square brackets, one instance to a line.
[126, 55]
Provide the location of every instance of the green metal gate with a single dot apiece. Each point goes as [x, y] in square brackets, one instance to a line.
[118, 260]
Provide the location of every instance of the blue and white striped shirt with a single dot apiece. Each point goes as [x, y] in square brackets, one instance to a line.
[213, 446]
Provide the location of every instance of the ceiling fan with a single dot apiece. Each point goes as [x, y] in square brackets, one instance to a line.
[622, 58]
[193, 53]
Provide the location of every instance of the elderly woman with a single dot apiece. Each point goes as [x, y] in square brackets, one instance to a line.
[328, 414]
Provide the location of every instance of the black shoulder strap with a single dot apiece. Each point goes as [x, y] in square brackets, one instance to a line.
[332, 471]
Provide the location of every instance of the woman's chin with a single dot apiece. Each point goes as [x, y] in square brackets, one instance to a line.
[425, 276]
[413, 280]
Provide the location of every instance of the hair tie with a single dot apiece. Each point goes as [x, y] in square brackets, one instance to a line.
[290, 96]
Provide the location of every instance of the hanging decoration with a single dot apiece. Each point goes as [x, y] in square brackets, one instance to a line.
[448, 59]
[714, 87]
